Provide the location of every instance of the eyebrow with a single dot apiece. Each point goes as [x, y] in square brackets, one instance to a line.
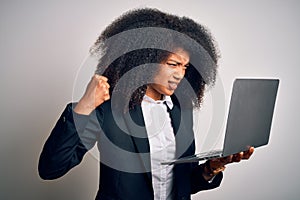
[178, 63]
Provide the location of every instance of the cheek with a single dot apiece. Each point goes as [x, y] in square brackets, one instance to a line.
[163, 74]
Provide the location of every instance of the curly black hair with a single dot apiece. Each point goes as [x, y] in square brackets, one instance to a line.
[141, 37]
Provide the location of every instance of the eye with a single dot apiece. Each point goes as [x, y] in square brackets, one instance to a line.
[186, 66]
[172, 64]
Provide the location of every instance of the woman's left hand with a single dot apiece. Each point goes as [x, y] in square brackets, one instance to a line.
[217, 165]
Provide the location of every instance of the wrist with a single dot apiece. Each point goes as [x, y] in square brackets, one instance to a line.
[83, 108]
[207, 173]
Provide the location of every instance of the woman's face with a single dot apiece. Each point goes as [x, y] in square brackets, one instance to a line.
[170, 73]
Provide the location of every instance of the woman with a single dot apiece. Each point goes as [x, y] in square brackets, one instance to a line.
[153, 70]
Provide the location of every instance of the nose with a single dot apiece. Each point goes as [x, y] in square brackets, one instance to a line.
[179, 73]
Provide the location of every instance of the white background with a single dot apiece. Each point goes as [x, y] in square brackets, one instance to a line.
[42, 46]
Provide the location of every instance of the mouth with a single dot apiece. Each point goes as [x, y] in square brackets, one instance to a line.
[172, 85]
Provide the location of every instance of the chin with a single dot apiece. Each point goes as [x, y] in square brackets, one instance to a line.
[169, 93]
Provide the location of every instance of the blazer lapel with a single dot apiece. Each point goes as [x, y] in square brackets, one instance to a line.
[135, 123]
[175, 118]
[182, 122]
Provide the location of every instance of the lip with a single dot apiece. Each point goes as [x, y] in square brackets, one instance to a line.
[173, 85]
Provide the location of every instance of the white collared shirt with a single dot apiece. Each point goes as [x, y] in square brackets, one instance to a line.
[162, 144]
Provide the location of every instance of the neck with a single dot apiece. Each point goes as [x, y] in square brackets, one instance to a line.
[153, 94]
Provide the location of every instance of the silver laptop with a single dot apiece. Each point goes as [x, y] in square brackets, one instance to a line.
[249, 118]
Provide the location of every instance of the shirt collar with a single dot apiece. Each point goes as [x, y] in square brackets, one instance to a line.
[166, 99]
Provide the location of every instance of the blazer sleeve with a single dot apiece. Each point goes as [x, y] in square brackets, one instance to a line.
[72, 136]
[198, 183]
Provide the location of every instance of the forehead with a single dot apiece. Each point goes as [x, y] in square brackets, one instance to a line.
[180, 55]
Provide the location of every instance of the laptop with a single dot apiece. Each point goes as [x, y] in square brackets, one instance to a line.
[249, 119]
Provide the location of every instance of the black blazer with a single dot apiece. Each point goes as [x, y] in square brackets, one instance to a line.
[125, 168]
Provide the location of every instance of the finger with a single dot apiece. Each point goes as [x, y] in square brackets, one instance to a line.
[237, 157]
[106, 97]
[248, 153]
[99, 77]
[251, 150]
[102, 83]
[218, 163]
[228, 159]
[214, 159]
[102, 80]
[218, 170]
[225, 160]
[106, 84]
[96, 76]
[104, 88]
[214, 166]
